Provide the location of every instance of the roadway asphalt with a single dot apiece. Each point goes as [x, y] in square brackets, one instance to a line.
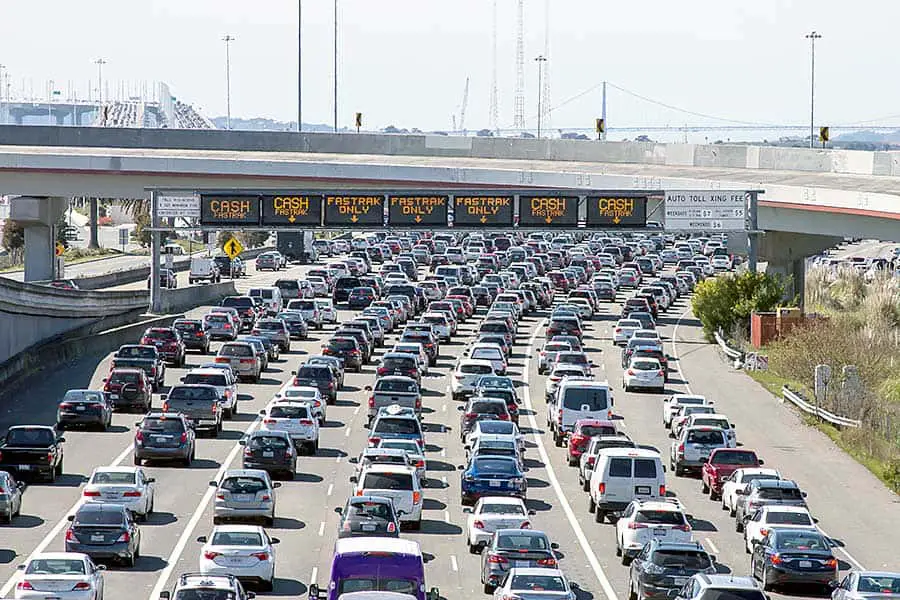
[851, 504]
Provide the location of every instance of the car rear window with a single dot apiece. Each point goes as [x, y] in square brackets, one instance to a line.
[788, 518]
[98, 517]
[659, 517]
[244, 485]
[780, 494]
[208, 379]
[235, 350]
[512, 541]
[162, 425]
[395, 362]
[588, 399]
[236, 538]
[370, 510]
[476, 369]
[396, 385]
[683, 559]
[735, 458]
[489, 408]
[592, 430]
[258, 442]
[705, 436]
[620, 467]
[289, 412]
[193, 393]
[388, 481]
[160, 334]
[314, 372]
[124, 377]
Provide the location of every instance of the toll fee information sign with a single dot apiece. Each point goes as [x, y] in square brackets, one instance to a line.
[489, 211]
[292, 209]
[548, 211]
[229, 210]
[363, 209]
[414, 210]
[616, 211]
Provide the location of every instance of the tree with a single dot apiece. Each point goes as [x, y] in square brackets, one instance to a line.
[725, 303]
[254, 239]
[13, 236]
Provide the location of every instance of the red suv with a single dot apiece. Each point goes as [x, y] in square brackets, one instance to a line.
[129, 388]
[581, 436]
[168, 343]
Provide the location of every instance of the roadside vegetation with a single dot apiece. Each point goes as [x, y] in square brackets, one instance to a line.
[725, 303]
[859, 326]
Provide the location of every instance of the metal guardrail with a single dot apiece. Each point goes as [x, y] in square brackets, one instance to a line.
[798, 401]
[730, 352]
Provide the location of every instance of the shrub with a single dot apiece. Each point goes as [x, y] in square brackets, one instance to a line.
[13, 235]
[726, 302]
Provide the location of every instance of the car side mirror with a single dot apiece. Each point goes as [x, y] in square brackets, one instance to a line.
[755, 542]
[21, 485]
[705, 459]
[815, 520]
[354, 479]
[554, 546]
[213, 483]
[762, 462]
[70, 518]
[163, 397]
[151, 480]
[732, 425]
[739, 492]
[137, 424]
[833, 584]
[338, 510]
[242, 442]
[460, 408]
[181, 379]
[803, 494]
[368, 388]
[276, 484]
[202, 539]
[251, 595]
[460, 467]
[434, 594]
[60, 439]
[467, 510]
[262, 412]
[274, 541]
[673, 593]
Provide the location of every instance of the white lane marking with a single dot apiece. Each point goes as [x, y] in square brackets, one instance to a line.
[315, 573]
[330, 489]
[338, 459]
[551, 474]
[321, 528]
[453, 564]
[443, 453]
[446, 516]
[687, 385]
[356, 411]
[444, 480]
[195, 518]
[712, 546]
[444, 408]
[57, 528]
[347, 433]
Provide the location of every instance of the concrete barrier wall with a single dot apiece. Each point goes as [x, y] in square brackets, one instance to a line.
[195, 295]
[91, 340]
[716, 155]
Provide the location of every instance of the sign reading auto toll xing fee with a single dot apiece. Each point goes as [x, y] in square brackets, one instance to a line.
[291, 209]
[410, 211]
[354, 210]
[616, 211]
[229, 210]
[488, 210]
[548, 211]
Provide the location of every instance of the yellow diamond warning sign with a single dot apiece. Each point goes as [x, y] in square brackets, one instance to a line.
[232, 247]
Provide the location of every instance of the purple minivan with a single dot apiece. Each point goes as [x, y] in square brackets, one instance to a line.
[375, 564]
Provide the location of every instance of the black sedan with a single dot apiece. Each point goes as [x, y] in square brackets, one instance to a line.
[271, 451]
[104, 532]
[794, 556]
[87, 408]
[368, 516]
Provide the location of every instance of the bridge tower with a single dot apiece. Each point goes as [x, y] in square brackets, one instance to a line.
[519, 103]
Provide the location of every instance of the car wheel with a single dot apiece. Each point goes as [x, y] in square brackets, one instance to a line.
[599, 515]
[58, 470]
[679, 471]
[631, 594]
[488, 588]
[573, 461]
[267, 585]
[586, 485]
[704, 487]
[766, 586]
[269, 521]
[416, 525]
[137, 461]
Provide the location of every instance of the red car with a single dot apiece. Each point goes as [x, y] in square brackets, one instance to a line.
[130, 389]
[721, 464]
[581, 436]
[167, 341]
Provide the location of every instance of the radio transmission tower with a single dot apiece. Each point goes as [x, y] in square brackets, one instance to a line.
[519, 104]
[494, 111]
[545, 91]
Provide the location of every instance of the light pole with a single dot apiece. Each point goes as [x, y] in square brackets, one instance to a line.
[100, 62]
[335, 66]
[228, 39]
[540, 61]
[299, 65]
[812, 37]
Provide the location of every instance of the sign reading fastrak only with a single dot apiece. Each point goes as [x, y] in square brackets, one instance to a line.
[706, 210]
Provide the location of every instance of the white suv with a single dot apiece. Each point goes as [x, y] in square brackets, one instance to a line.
[645, 520]
[214, 586]
[297, 420]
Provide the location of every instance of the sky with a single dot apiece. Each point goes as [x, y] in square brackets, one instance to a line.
[405, 62]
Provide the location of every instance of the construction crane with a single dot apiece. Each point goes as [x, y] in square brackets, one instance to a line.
[460, 126]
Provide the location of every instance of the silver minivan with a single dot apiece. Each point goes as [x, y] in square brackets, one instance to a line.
[245, 494]
[579, 399]
[243, 359]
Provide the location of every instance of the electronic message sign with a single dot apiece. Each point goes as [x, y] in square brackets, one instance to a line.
[548, 211]
[360, 209]
[417, 209]
[292, 209]
[231, 210]
[614, 210]
[487, 210]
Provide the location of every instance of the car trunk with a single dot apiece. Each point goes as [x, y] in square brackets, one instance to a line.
[97, 535]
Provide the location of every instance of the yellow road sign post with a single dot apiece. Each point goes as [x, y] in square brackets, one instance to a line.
[60, 249]
[232, 247]
[601, 127]
[824, 135]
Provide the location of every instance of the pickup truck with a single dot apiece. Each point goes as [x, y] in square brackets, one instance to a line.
[146, 358]
[721, 464]
[199, 403]
[32, 450]
[394, 389]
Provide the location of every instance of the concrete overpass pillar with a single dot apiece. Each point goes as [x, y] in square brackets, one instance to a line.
[786, 254]
[39, 216]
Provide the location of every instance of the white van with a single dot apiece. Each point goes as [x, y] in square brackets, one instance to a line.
[578, 399]
[622, 474]
[271, 298]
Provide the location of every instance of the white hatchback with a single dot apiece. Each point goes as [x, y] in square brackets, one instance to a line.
[295, 418]
[306, 394]
[645, 520]
[624, 329]
[491, 513]
[128, 486]
[644, 373]
[245, 551]
[772, 517]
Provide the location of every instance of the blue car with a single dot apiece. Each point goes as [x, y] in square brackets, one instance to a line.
[492, 476]
[396, 423]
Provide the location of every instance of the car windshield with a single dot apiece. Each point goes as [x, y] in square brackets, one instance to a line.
[397, 426]
[27, 436]
[99, 517]
[244, 485]
[537, 583]
[388, 481]
[370, 510]
[236, 538]
[121, 478]
[513, 541]
[800, 540]
[681, 559]
[268, 442]
[55, 566]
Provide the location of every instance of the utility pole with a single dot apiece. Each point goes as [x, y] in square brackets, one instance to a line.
[540, 61]
[228, 39]
[335, 66]
[100, 62]
[299, 65]
[812, 37]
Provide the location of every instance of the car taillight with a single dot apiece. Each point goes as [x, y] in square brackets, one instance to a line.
[391, 528]
[65, 405]
[374, 440]
[591, 460]
[222, 359]
[70, 536]
[226, 326]
[165, 407]
[381, 370]
[635, 525]
[661, 373]
[134, 494]
[684, 527]
[776, 559]
[125, 537]
[220, 496]
[547, 562]
[418, 403]
[763, 532]
[662, 491]
[306, 421]
[269, 421]
[831, 563]
[371, 401]
[504, 417]
[248, 452]
[497, 559]
[139, 435]
[680, 448]
[478, 524]
[260, 555]
[211, 555]
[91, 493]
[246, 361]
[630, 372]
[49, 457]
[601, 488]
[183, 437]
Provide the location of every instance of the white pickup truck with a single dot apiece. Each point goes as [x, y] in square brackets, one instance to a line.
[203, 268]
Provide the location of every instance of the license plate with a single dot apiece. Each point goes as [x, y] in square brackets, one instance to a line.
[114, 396]
[659, 531]
[368, 527]
[268, 454]
[495, 483]
[642, 489]
[521, 564]
[160, 439]
[244, 497]
[96, 538]
[24, 467]
[79, 408]
[234, 560]
[680, 580]
[806, 564]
